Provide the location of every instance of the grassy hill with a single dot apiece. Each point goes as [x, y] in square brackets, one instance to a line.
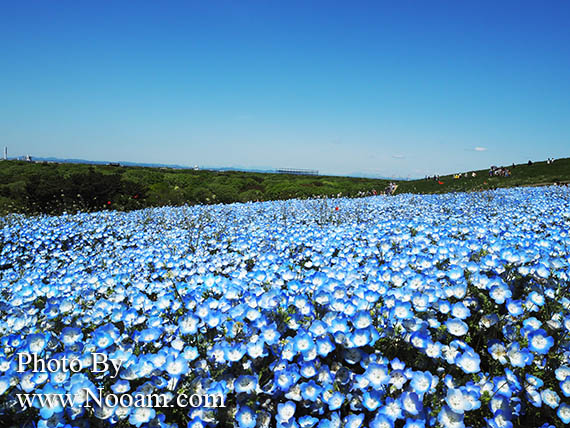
[57, 187]
[537, 174]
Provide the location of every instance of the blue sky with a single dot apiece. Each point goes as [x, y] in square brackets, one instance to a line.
[398, 89]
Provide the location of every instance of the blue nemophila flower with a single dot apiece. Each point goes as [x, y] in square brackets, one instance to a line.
[433, 349]
[500, 419]
[307, 421]
[500, 291]
[310, 391]
[37, 343]
[562, 372]
[456, 327]
[381, 421]
[539, 341]
[460, 311]
[196, 422]
[535, 299]
[392, 408]
[256, 349]
[339, 324]
[318, 328]
[362, 320]
[420, 339]
[411, 403]
[286, 378]
[49, 407]
[498, 351]
[176, 366]
[71, 335]
[550, 398]
[542, 271]
[415, 423]
[188, 324]
[450, 419]
[150, 334]
[121, 386]
[4, 384]
[403, 310]
[519, 357]
[303, 343]
[564, 413]
[246, 417]
[420, 302]
[285, 411]
[457, 401]
[565, 387]
[141, 415]
[324, 346]
[308, 369]
[455, 273]
[377, 375]
[360, 338]
[234, 352]
[354, 420]
[515, 308]
[469, 361]
[421, 382]
[335, 400]
[270, 334]
[531, 324]
[371, 400]
[246, 384]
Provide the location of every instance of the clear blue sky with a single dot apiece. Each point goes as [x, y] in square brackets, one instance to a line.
[385, 88]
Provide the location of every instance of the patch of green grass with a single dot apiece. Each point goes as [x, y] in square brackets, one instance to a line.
[537, 174]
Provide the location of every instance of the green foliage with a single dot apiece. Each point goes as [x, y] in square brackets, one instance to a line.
[53, 188]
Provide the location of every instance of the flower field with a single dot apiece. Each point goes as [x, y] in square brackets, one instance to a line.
[411, 311]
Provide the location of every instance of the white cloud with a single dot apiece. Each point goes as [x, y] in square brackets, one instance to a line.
[480, 149]
[398, 156]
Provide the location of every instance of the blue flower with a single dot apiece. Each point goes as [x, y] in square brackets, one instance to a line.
[456, 327]
[469, 361]
[450, 419]
[245, 384]
[188, 324]
[564, 413]
[335, 400]
[176, 366]
[303, 343]
[371, 400]
[382, 421]
[411, 403]
[500, 292]
[421, 382]
[392, 408]
[403, 310]
[307, 421]
[550, 398]
[141, 415]
[539, 341]
[354, 421]
[285, 411]
[377, 375]
[456, 401]
[245, 417]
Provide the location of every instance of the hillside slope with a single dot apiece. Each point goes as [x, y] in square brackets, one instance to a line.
[537, 174]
